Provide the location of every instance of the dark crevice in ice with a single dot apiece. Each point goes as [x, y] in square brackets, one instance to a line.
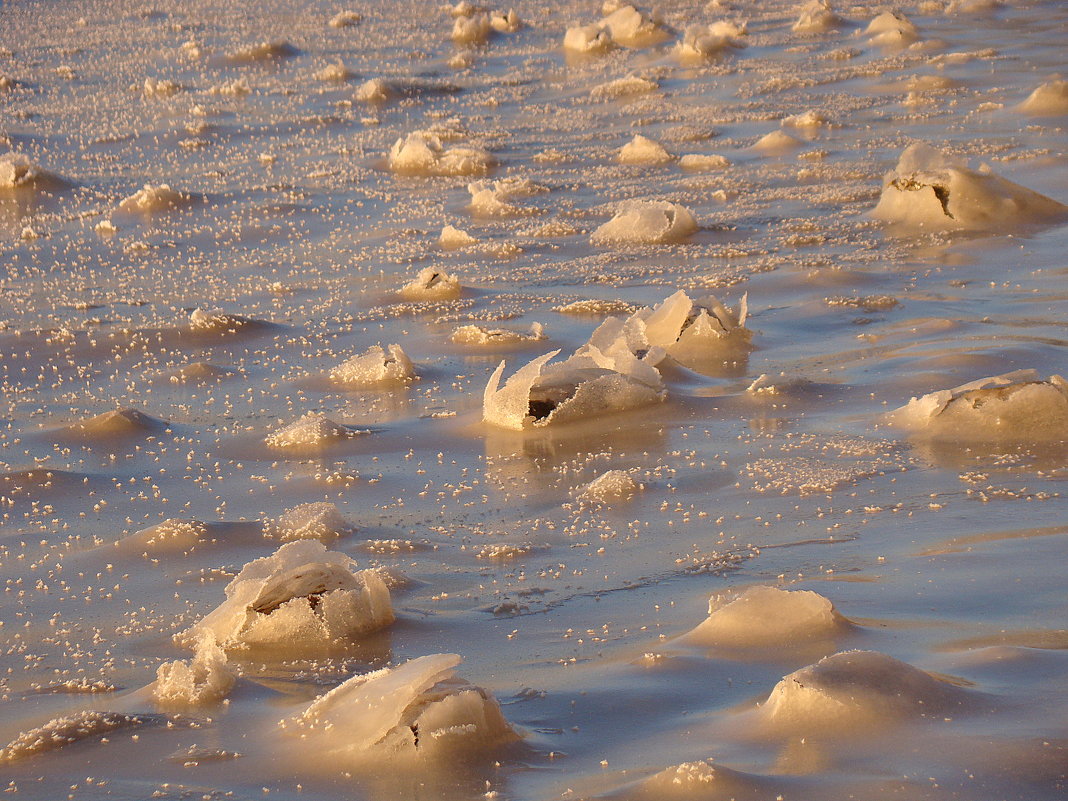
[540, 409]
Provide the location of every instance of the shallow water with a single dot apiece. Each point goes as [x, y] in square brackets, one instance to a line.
[944, 555]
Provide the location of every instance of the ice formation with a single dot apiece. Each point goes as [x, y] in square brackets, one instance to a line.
[373, 90]
[646, 222]
[480, 336]
[691, 330]
[173, 534]
[319, 520]
[333, 73]
[1014, 406]
[204, 679]
[707, 41]
[767, 617]
[152, 198]
[854, 688]
[416, 712]
[891, 29]
[610, 486]
[591, 39]
[808, 120]
[702, 781]
[118, 423]
[345, 19]
[311, 431]
[157, 88]
[492, 198]
[474, 29]
[263, 51]
[1049, 99]
[454, 238]
[66, 730]
[422, 153]
[302, 595]
[700, 162]
[624, 87]
[624, 25]
[929, 190]
[216, 320]
[643, 150]
[777, 143]
[431, 284]
[18, 171]
[816, 17]
[376, 366]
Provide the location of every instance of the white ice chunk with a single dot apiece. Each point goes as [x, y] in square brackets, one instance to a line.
[453, 238]
[421, 153]
[807, 120]
[624, 87]
[419, 711]
[588, 39]
[643, 150]
[816, 17]
[610, 487]
[1049, 99]
[707, 41]
[480, 336]
[431, 284]
[333, 73]
[154, 88]
[152, 198]
[929, 190]
[345, 19]
[646, 222]
[1014, 406]
[491, 198]
[699, 162]
[302, 595]
[204, 679]
[505, 22]
[320, 520]
[777, 143]
[857, 688]
[767, 617]
[309, 432]
[891, 29]
[376, 366]
[633, 28]
[471, 30]
[374, 90]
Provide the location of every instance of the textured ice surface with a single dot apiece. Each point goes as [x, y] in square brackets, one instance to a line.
[416, 712]
[204, 679]
[302, 596]
[319, 520]
[309, 432]
[431, 284]
[422, 153]
[376, 366]
[67, 730]
[646, 222]
[151, 198]
[767, 617]
[479, 336]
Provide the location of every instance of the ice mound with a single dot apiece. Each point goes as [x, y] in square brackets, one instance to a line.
[421, 153]
[1014, 406]
[62, 731]
[816, 17]
[431, 284]
[263, 51]
[591, 39]
[854, 688]
[492, 198]
[777, 143]
[643, 150]
[376, 366]
[808, 120]
[623, 25]
[310, 432]
[480, 337]
[302, 595]
[174, 534]
[208, 320]
[1049, 99]
[705, 781]
[374, 90]
[320, 520]
[588, 384]
[153, 198]
[611, 486]
[505, 22]
[707, 41]
[646, 222]
[333, 73]
[345, 19]
[687, 329]
[891, 29]
[199, 372]
[454, 238]
[17, 171]
[416, 712]
[159, 88]
[929, 190]
[204, 679]
[699, 162]
[767, 617]
[624, 87]
[118, 423]
[596, 307]
[474, 29]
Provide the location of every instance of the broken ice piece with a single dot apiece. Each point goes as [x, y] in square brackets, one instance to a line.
[646, 222]
[152, 198]
[480, 336]
[431, 284]
[421, 153]
[376, 366]
[204, 679]
[309, 432]
[706, 41]
[302, 595]
[767, 617]
[320, 520]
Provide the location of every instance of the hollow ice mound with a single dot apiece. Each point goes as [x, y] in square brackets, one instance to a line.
[118, 423]
[816, 17]
[767, 617]
[479, 336]
[643, 150]
[320, 520]
[891, 29]
[1049, 99]
[18, 171]
[431, 284]
[311, 431]
[929, 190]
[585, 385]
[1014, 406]
[646, 222]
[706, 41]
[302, 595]
[204, 679]
[857, 688]
[421, 153]
[417, 712]
[376, 366]
[609, 487]
[153, 198]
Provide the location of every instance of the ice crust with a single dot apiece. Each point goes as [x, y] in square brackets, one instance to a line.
[118, 423]
[624, 25]
[610, 487]
[319, 520]
[207, 678]
[375, 367]
[151, 198]
[1049, 99]
[767, 617]
[431, 284]
[852, 689]
[479, 336]
[929, 190]
[643, 150]
[17, 171]
[816, 17]
[66, 730]
[422, 153]
[301, 596]
[418, 712]
[646, 222]
[707, 41]
[309, 432]
[1013, 406]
